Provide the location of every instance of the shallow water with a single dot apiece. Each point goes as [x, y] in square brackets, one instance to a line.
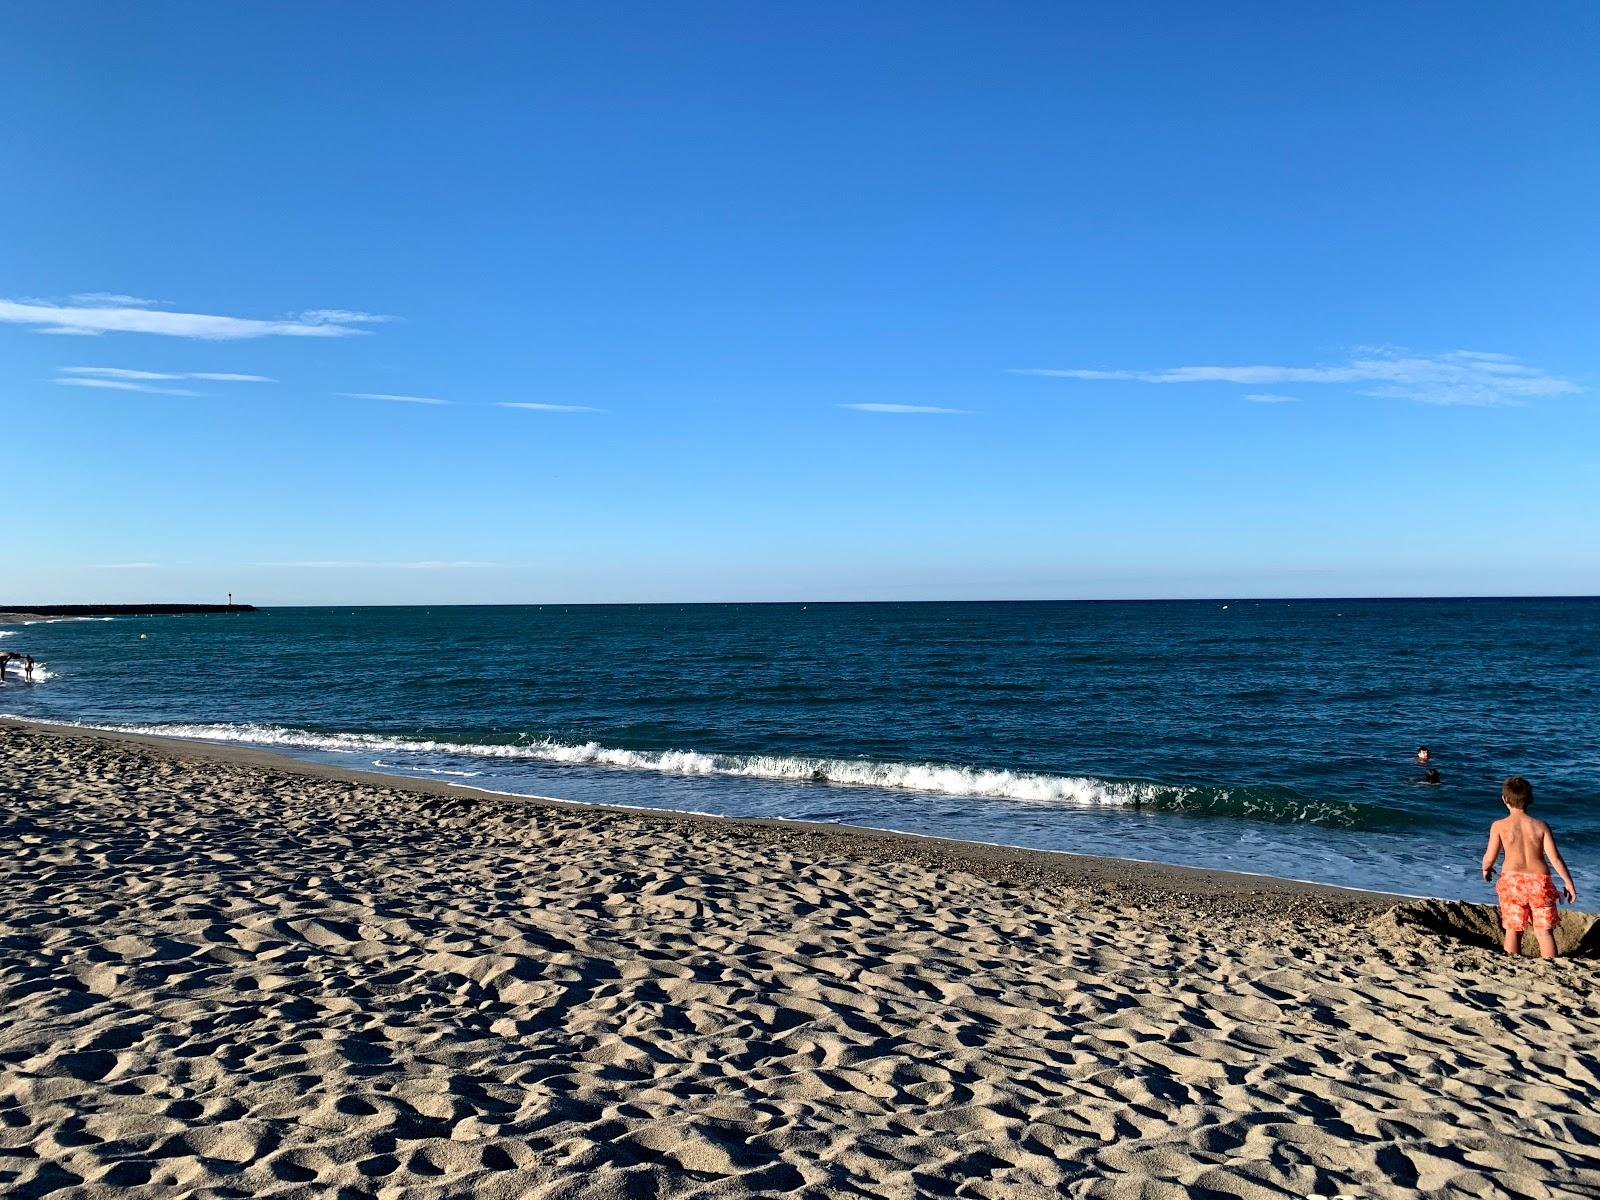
[1275, 737]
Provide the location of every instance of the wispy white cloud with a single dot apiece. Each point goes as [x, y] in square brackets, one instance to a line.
[391, 396]
[118, 373]
[132, 566]
[901, 408]
[1270, 398]
[356, 563]
[124, 385]
[555, 408]
[129, 373]
[342, 316]
[1456, 377]
[84, 316]
[101, 299]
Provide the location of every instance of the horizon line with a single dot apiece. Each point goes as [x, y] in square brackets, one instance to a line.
[1214, 599]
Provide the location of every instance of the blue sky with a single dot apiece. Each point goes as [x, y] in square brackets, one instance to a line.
[814, 301]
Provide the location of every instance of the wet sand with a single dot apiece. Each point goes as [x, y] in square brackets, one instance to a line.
[230, 974]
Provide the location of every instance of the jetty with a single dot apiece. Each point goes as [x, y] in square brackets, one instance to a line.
[32, 612]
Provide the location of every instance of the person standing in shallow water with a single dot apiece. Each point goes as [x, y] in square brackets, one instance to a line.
[1525, 890]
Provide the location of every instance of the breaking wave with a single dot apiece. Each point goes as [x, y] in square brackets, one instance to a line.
[943, 779]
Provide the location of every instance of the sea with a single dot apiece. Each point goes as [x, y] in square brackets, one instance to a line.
[1277, 737]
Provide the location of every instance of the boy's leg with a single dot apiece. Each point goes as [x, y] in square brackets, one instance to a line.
[1513, 919]
[1544, 924]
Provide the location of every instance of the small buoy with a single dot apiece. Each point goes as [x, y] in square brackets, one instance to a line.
[142, 636]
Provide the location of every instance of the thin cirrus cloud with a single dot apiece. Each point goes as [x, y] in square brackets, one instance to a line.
[124, 385]
[128, 373]
[1270, 398]
[128, 566]
[114, 299]
[1459, 377]
[93, 313]
[156, 383]
[392, 397]
[905, 409]
[530, 406]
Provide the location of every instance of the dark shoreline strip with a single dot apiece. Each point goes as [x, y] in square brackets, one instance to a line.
[24, 611]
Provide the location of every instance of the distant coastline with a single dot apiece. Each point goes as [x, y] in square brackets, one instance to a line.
[44, 612]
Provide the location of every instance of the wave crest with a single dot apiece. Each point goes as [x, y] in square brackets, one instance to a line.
[943, 779]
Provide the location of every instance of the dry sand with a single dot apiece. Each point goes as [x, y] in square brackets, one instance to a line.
[223, 974]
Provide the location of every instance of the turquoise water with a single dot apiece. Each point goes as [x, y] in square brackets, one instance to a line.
[1275, 737]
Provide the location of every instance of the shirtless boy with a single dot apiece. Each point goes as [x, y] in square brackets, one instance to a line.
[1525, 889]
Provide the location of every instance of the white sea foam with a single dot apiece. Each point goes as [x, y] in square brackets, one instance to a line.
[378, 762]
[934, 778]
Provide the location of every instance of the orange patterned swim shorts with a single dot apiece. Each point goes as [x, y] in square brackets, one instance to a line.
[1522, 893]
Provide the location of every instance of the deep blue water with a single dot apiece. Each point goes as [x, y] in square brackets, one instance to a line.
[1269, 736]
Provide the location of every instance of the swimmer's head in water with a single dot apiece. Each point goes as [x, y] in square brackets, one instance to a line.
[1422, 754]
[1517, 792]
[1432, 775]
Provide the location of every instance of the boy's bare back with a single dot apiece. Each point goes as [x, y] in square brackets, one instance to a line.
[1525, 840]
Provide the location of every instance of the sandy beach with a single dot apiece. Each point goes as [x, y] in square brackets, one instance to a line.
[229, 974]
